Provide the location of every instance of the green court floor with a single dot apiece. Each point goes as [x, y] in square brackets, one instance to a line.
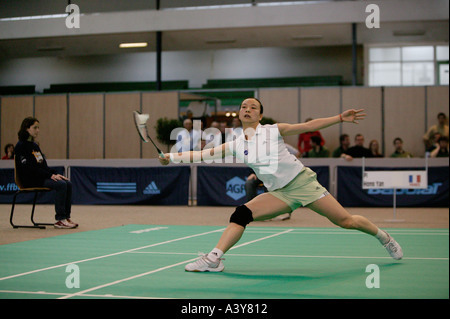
[147, 261]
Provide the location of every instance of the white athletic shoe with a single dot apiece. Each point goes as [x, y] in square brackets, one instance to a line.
[393, 248]
[203, 264]
[64, 224]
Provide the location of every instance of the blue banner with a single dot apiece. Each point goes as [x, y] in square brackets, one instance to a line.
[130, 185]
[225, 186]
[351, 194]
[8, 187]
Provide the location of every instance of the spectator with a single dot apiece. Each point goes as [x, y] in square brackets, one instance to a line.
[188, 115]
[341, 151]
[374, 148]
[434, 142]
[231, 133]
[359, 150]
[317, 150]
[223, 127]
[304, 140]
[442, 148]
[213, 135]
[399, 151]
[9, 152]
[33, 171]
[189, 139]
[237, 127]
[441, 128]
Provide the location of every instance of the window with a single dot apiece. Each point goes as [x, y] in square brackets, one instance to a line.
[408, 65]
[442, 62]
[385, 73]
[443, 73]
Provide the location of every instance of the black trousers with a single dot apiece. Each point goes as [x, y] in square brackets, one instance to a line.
[63, 200]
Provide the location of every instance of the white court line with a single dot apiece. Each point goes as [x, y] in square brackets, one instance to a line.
[337, 257]
[126, 279]
[256, 240]
[348, 233]
[85, 295]
[109, 255]
[164, 268]
[342, 230]
[299, 256]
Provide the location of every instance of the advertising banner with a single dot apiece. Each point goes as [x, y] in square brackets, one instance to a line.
[351, 193]
[8, 187]
[130, 185]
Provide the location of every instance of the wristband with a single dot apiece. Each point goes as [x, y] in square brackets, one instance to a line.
[340, 117]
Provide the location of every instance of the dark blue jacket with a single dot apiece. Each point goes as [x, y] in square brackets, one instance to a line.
[31, 166]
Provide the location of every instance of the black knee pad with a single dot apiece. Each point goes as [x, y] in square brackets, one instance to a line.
[242, 216]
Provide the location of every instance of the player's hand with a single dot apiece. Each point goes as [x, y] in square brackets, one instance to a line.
[164, 160]
[353, 116]
[58, 177]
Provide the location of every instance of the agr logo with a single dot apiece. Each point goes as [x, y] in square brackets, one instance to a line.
[236, 188]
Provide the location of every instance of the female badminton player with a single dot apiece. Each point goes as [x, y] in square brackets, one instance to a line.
[290, 184]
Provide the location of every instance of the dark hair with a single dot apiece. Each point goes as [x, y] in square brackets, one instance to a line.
[316, 139]
[261, 109]
[397, 139]
[343, 137]
[26, 124]
[8, 146]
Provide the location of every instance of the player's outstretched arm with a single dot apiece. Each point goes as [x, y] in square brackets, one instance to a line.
[196, 156]
[352, 116]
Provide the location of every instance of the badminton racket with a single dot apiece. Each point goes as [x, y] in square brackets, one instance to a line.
[140, 120]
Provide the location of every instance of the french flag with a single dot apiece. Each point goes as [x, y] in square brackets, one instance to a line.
[411, 179]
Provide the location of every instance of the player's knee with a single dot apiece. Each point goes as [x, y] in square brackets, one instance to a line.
[347, 223]
[242, 216]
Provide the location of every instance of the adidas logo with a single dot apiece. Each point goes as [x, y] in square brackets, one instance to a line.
[151, 189]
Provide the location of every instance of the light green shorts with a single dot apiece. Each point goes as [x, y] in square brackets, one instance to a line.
[302, 190]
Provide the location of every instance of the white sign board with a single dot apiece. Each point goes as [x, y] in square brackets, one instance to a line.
[395, 179]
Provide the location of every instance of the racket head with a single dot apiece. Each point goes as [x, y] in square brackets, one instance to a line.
[140, 121]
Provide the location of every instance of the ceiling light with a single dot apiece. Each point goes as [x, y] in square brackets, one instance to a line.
[133, 45]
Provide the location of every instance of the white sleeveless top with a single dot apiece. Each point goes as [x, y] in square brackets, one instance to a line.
[268, 156]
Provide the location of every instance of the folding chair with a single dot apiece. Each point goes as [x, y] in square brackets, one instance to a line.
[36, 191]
